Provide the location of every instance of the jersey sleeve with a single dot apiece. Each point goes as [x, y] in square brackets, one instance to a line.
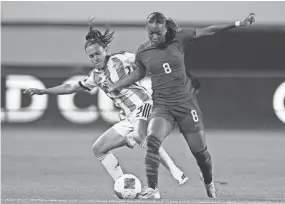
[186, 37]
[139, 61]
[129, 59]
[88, 83]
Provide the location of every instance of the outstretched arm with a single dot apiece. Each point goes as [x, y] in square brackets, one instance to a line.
[86, 84]
[201, 32]
[57, 90]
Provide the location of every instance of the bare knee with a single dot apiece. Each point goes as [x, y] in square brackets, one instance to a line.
[160, 135]
[97, 150]
[140, 131]
[139, 135]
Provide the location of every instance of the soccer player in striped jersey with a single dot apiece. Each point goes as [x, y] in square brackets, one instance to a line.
[134, 101]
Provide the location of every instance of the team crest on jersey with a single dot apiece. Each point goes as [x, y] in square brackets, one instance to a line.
[100, 79]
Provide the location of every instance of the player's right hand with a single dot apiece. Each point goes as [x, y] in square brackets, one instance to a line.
[33, 91]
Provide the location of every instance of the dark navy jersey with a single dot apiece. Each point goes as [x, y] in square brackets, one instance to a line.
[166, 68]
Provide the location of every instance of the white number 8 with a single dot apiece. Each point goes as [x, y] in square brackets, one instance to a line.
[194, 115]
[166, 68]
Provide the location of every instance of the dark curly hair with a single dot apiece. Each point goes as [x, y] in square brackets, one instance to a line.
[95, 36]
[171, 26]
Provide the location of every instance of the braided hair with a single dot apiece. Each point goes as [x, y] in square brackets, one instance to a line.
[171, 26]
[95, 36]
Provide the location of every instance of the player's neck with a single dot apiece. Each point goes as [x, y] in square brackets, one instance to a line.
[106, 61]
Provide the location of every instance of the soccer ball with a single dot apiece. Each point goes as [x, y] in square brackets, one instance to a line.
[127, 186]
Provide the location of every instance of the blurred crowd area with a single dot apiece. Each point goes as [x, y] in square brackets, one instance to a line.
[241, 71]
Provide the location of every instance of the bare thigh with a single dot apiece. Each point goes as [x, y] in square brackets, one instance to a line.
[196, 141]
[159, 127]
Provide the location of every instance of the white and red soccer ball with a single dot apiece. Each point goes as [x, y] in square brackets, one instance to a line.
[127, 186]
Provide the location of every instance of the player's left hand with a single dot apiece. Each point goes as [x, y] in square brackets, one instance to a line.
[249, 20]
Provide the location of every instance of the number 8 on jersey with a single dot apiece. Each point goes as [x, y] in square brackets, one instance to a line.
[166, 68]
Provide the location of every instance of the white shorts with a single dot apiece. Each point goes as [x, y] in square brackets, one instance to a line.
[126, 126]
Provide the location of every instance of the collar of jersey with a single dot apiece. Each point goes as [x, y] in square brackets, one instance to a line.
[150, 47]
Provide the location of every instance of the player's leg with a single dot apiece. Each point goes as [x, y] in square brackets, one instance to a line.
[160, 126]
[139, 135]
[142, 115]
[108, 141]
[198, 147]
[192, 128]
[158, 129]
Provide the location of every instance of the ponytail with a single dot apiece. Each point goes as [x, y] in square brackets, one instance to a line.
[172, 29]
[95, 36]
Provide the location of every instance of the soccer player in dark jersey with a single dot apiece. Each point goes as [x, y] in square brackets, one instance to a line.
[134, 101]
[162, 58]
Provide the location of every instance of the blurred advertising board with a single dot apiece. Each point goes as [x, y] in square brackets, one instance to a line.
[226, 101]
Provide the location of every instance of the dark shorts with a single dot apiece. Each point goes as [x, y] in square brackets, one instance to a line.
[188, 115]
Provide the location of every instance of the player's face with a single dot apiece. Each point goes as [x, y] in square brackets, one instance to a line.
[97, 55]
[156, 33]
